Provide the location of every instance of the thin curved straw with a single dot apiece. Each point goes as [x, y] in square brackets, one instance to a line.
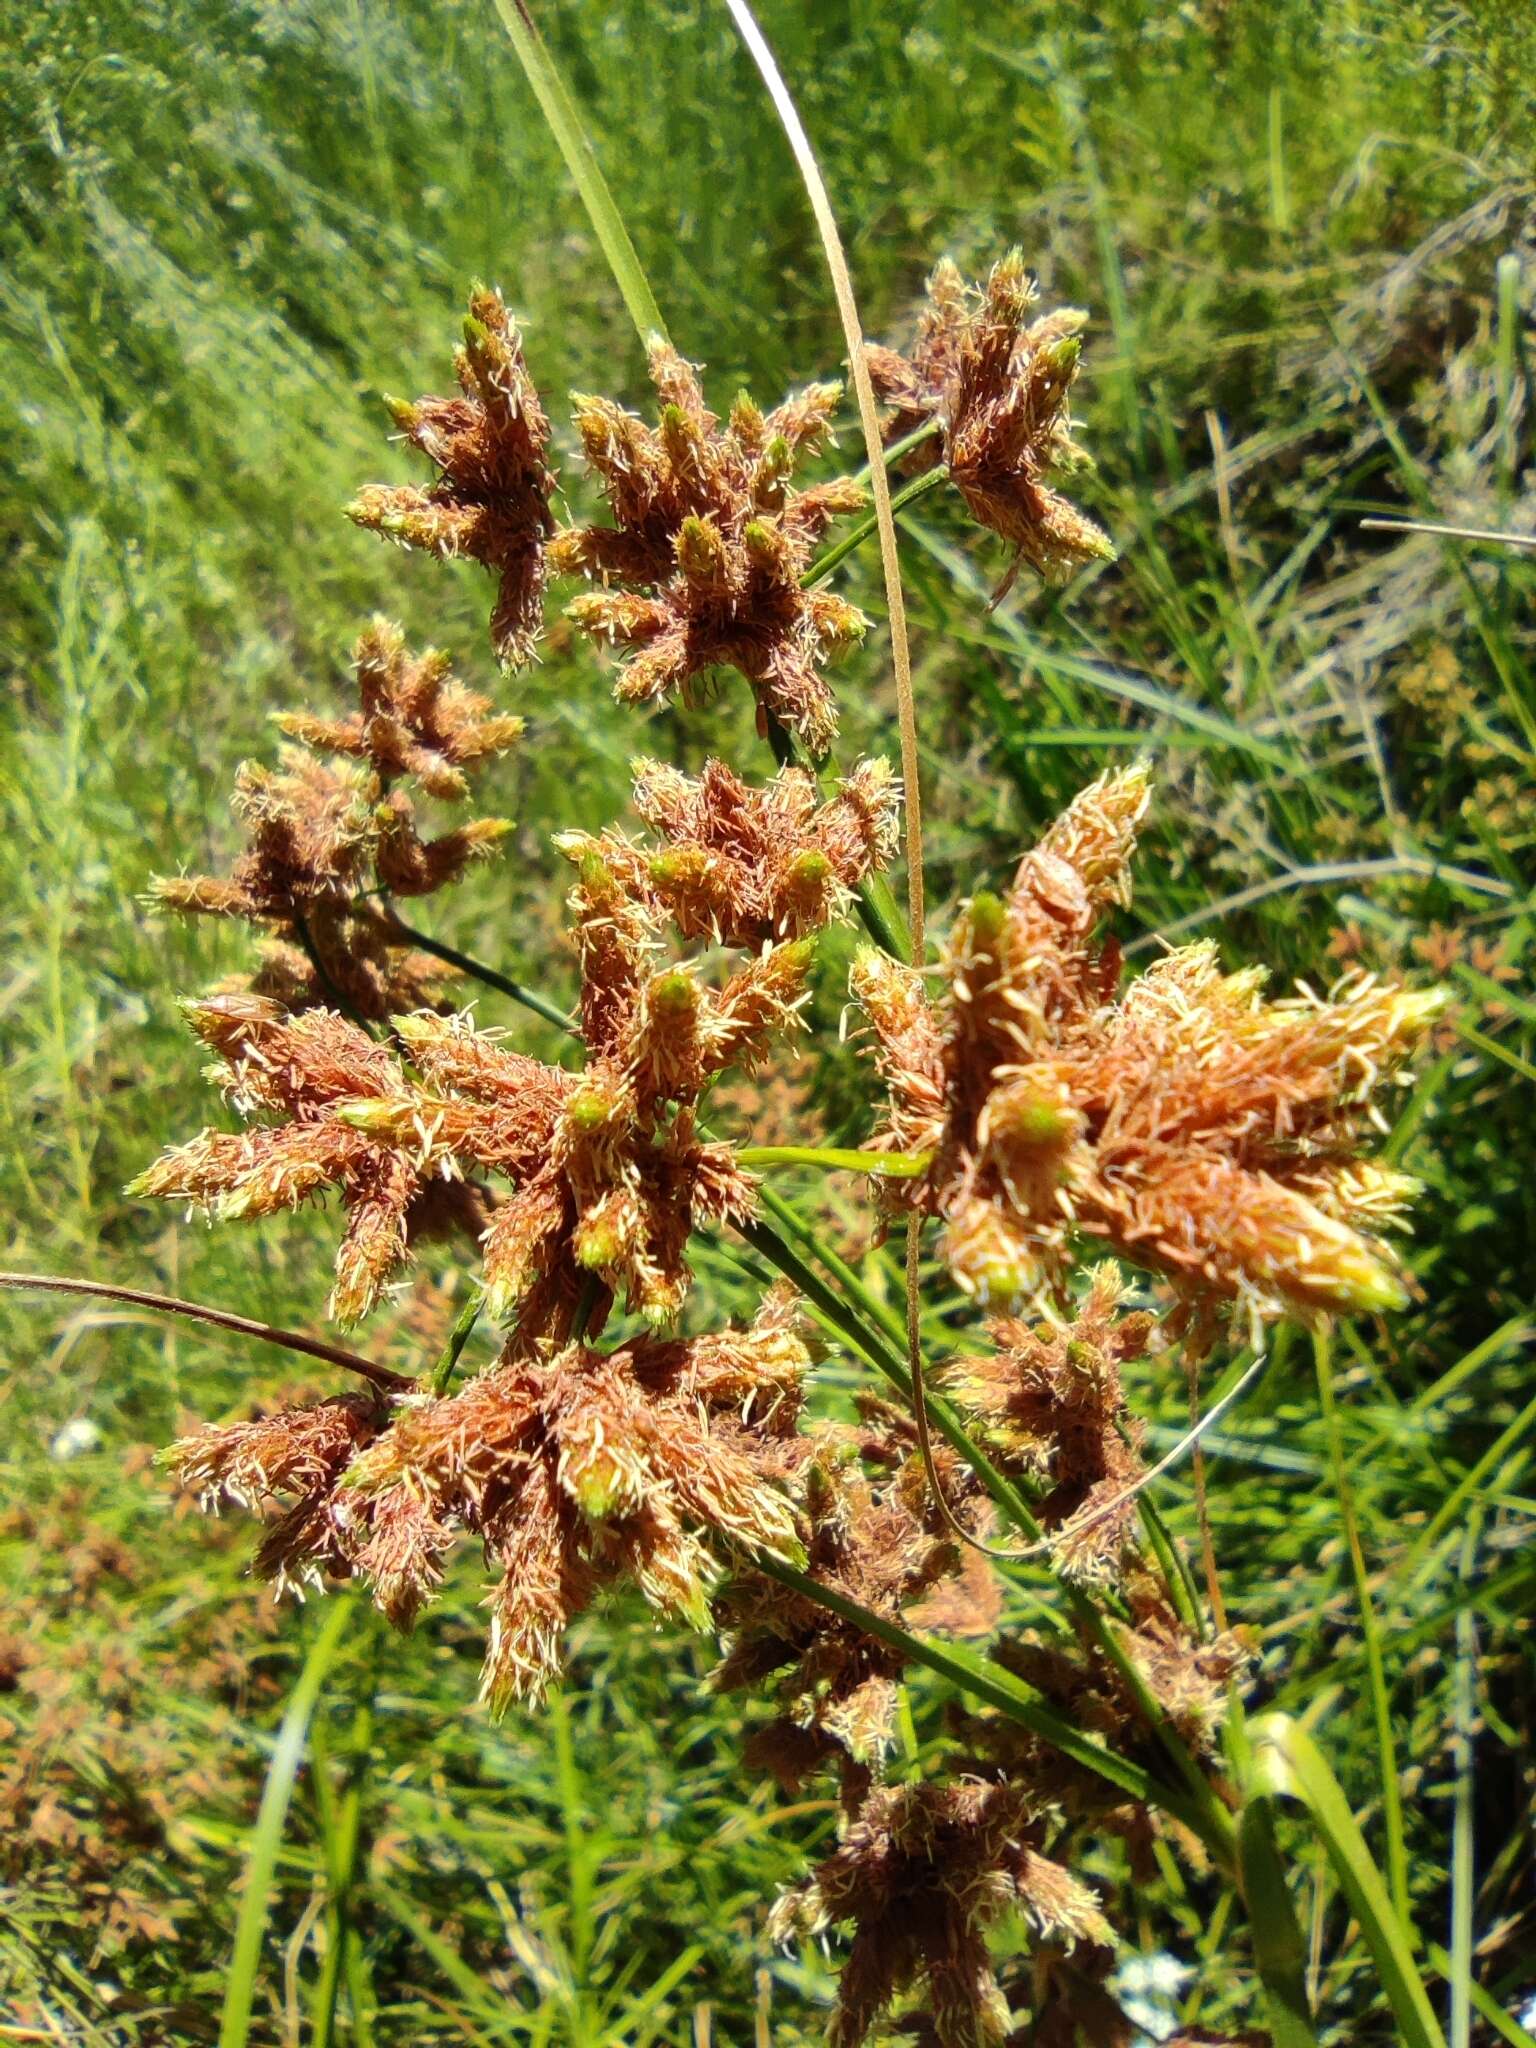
[221, 1319]
[869, 421]
[901, 664]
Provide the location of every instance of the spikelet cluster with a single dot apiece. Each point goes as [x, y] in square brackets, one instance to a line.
[745, 866]
[921, 1871]
[998, 384]
[1188, 1124]
[1049, 1405]
[291, 1076]
[490, 500]
[870, 1531]
[702, 567]
[609, 1173]
[921, 1875]
[334, 822]
[574, 1468]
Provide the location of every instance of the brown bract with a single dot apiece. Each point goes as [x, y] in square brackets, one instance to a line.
[998, 385]
[702, 566]
[921, 1874]
[744, 866]
[491, 498]
[1188, 1124]
[322, 833]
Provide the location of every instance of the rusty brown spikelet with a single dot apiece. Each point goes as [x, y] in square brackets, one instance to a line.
[1188, 1124]
[744, 866]
[920, 1875]
[998, 384]
[574, 1468]
[326, 828]
[612, 1176]
[490, 500]
[702, 566]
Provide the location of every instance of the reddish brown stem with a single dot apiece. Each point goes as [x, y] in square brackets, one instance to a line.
[220, 1318]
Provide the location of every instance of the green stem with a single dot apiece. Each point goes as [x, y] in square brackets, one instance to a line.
[1375, 1664]
[880, 1314]
[458, 1337]
[1463, 1818]
[856, 536]
[834, 1159]
[565, 124]
[267, 1835]
[466, 964]
[1279, 1952]
[881, 918]
[897, 449]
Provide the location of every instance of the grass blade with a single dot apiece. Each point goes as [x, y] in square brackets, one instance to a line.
[1487, 2008]
[569, 131]
[1463, 1883]
[1370, 1636]
[1279, 1952]
[1287, 1761]
[271, 1817]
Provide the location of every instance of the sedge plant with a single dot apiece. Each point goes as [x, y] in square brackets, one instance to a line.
[1109, 1170]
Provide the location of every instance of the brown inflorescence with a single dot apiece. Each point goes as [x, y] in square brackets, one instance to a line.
[872, 1533]
[997, 385]
[704, 563]
[575, 1468]
[921, 1871]
[491, 498]
[745, 866]
[323, 835]
[1187, 1123]
[922, 1874]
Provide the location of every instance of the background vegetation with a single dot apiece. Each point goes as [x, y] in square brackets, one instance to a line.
[1305, 237]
